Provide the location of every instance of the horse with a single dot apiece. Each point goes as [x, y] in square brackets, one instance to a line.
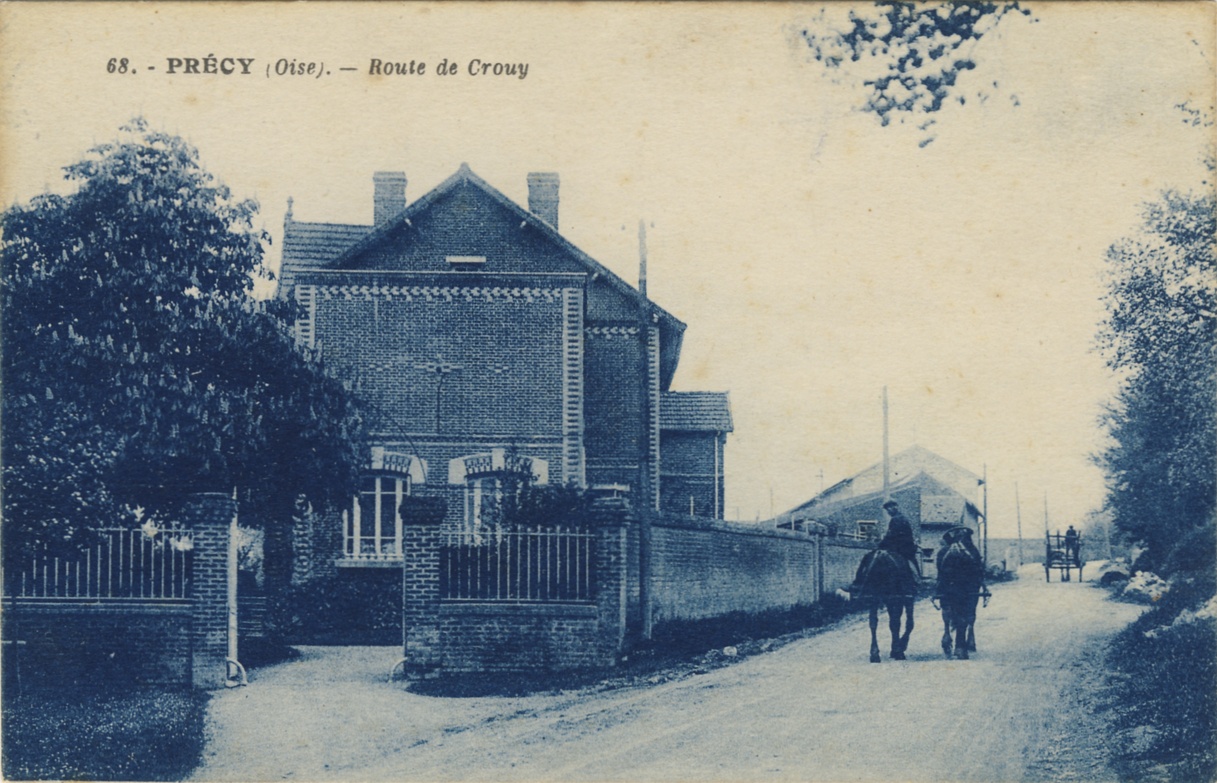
[887, 579]
[960, 585]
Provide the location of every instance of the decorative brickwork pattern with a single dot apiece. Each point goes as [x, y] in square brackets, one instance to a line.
[441, 294]
[653, 389]
[306, 297]
[572, 388]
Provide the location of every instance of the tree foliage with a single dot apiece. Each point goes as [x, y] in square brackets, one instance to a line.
[137, 365]
[910, 55]
[1159, 335]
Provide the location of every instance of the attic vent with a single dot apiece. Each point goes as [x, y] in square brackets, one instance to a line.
[466, 261]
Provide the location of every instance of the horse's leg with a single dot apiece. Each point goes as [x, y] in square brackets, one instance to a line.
[874, 625]
[906, 604]
[972, 623]
[893, 625]
[960, 621]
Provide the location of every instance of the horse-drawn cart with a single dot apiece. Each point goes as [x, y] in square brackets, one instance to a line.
[1063, 553]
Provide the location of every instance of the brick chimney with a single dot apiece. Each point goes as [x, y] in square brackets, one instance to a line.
[389, 195]
[543, 196]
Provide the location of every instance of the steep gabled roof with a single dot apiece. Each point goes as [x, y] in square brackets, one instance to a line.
[695, 412]
[464, 175]
[314, 245]
[334, 246]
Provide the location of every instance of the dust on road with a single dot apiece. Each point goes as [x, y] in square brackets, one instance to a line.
[815, 709]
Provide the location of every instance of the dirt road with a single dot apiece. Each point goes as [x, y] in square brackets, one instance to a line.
[812, 710]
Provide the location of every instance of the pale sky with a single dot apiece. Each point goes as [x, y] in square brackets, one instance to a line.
[814, 255]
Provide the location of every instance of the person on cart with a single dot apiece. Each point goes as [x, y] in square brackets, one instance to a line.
[1071, 545]
[899, 537]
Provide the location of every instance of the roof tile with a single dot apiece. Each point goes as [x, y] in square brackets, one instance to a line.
[695, 411]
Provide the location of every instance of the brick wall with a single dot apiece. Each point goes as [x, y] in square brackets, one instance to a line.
[87, 645]
[500, 342]
[452, 637]
[701, 569]
[91, 642]
[510, 638]
[705, 568]
[841, 559]
[689, 469]
[613, 404]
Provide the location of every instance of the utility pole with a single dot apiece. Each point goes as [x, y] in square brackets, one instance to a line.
[887, 474]
[645, 599]
[642, 257]
[985, 481]
[1018, 514]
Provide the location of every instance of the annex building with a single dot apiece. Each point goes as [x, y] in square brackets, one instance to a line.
[933, 492]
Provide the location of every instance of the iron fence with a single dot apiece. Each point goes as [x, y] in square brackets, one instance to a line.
[524, 564]
[122, 564]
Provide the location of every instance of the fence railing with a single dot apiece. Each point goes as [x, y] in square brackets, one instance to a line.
[123, 564]
[525, 564]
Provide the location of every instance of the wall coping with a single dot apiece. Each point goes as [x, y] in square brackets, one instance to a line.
[93, 606]
[723, 526]
[506, 609]
[845, 543]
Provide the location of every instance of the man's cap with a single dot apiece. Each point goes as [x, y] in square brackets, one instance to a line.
[956, 533]
[891, 504]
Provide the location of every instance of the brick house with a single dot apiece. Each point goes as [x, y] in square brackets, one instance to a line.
[484, 344]
[933, 492]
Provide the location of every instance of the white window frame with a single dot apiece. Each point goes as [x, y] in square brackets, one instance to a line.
[390, 487]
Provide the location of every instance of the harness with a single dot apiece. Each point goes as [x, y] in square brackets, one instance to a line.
[870, 565]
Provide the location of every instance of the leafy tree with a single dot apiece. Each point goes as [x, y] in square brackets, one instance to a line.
[137, 366]
[1162, 310]
[910, 54]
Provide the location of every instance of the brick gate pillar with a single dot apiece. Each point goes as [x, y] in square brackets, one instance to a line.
[420, 521]
[612, 517]
[208, 515]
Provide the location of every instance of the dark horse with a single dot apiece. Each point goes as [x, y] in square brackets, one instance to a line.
[887, 579]
[960, 585]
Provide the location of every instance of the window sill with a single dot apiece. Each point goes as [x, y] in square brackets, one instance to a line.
[388, 561]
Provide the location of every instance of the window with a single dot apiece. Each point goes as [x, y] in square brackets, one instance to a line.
[489, 479]
[372, 528]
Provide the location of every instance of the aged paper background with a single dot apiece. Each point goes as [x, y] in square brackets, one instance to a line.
[815, 255]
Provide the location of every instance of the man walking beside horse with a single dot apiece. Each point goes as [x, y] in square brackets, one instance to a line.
[961, 572]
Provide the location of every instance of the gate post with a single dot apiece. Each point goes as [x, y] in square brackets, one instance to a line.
[420, 522]
[611, 518]
[207, 515]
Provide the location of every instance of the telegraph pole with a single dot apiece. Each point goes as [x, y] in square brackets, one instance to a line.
[887, 475]
[1018, 514]
[985, 481]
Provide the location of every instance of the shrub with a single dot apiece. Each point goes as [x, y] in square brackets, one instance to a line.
[360, 607]
[1165, 695]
